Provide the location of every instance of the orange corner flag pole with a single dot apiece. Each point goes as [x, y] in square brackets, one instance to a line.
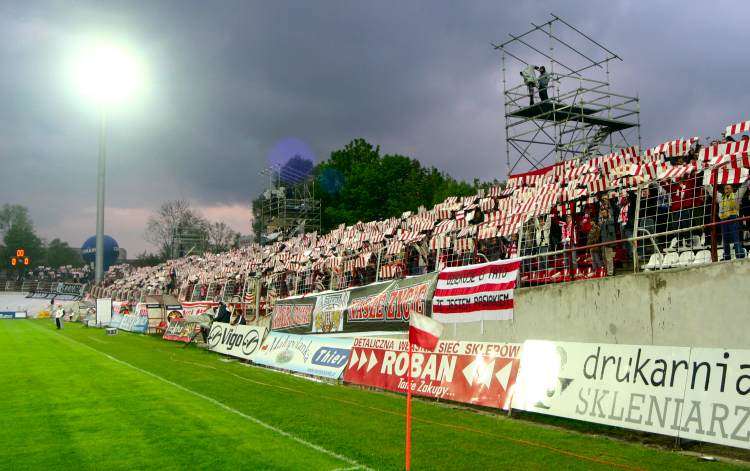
[408, 414]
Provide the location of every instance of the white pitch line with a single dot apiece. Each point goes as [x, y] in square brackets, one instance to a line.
[301, 441]
[171, 357]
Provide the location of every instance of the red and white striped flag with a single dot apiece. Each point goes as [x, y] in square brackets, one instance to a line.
[476, 292]
[424, 332]
[728, 176]
[737, 128]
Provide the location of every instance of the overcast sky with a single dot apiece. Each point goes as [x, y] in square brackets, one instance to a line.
[229, 80]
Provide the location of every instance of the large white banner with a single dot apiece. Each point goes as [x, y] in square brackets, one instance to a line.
[717, 400]
[475, 292]
[241, 341]
[103, 311]
[310, 354]
[702, 394]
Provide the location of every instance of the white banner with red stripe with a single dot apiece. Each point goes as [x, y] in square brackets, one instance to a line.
[476, 292]
[727, 176]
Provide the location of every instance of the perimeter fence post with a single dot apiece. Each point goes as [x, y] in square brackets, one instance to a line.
[634, 242]
[714, 254]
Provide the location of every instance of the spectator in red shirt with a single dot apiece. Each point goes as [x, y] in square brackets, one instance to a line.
[569, 241]
[512, 247]
[685, 197]
[585, 226]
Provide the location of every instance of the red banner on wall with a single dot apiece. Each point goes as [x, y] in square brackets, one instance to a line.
[473, 372]
[179, 330]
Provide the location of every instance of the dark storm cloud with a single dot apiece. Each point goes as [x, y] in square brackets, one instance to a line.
[229, 79]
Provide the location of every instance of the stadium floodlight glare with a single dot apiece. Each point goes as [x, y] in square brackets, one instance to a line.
[110, 74]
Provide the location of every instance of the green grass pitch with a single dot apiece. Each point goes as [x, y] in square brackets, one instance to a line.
[77, 399]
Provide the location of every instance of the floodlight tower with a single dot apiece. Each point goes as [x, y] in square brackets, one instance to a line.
[109, 74]
[582, 117]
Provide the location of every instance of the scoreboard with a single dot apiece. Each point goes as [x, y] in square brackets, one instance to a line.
[20, 259]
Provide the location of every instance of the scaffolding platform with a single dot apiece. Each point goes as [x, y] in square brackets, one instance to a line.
[559, 112]
[582, 117]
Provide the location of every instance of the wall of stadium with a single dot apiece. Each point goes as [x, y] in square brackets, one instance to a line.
[700, 307]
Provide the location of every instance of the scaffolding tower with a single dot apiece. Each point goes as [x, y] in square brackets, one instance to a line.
[289, 207]
[582, 117]
[188, 241]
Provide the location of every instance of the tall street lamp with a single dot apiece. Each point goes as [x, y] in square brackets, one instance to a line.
[110, 74]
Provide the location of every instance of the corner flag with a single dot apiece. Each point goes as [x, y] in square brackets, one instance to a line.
[425, 333]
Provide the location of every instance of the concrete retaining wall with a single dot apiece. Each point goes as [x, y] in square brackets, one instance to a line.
[706, 306]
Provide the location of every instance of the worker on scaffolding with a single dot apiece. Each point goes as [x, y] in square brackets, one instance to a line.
[542, 82]
[529, 78]
[531, 81]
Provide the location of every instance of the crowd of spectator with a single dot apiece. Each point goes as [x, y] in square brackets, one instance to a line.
[66, 273]
[570, 220]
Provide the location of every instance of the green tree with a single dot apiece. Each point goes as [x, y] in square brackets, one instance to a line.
[378, 187]
[356, 184]
[12, 214]
[59, 253]
[20, 235]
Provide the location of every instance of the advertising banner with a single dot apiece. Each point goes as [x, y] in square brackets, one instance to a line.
[7, 314]
[115, 320]
[174, 311]
[387, 306]
[472, 372]
[328, 315]
[153, 311]
[241, 341]
[380, 306]
[700, 394]
[476, 292]
[180, 331]
[120, 307]
[309, 354]
[73, 289]
[134, 323]
[717, 397]
[193, 308]
[293, 315]
[141, 309]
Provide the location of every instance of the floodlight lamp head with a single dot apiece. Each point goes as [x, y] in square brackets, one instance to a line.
[107, 72]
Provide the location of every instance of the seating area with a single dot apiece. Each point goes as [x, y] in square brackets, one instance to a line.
[622, 212]
[698, 253]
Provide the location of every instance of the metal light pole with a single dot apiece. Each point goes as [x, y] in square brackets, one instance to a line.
[99, 265]
[108, 73]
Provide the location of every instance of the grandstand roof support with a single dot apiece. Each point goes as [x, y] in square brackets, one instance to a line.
[582, 117]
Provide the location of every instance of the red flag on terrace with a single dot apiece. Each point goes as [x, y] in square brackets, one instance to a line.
[424, 331]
